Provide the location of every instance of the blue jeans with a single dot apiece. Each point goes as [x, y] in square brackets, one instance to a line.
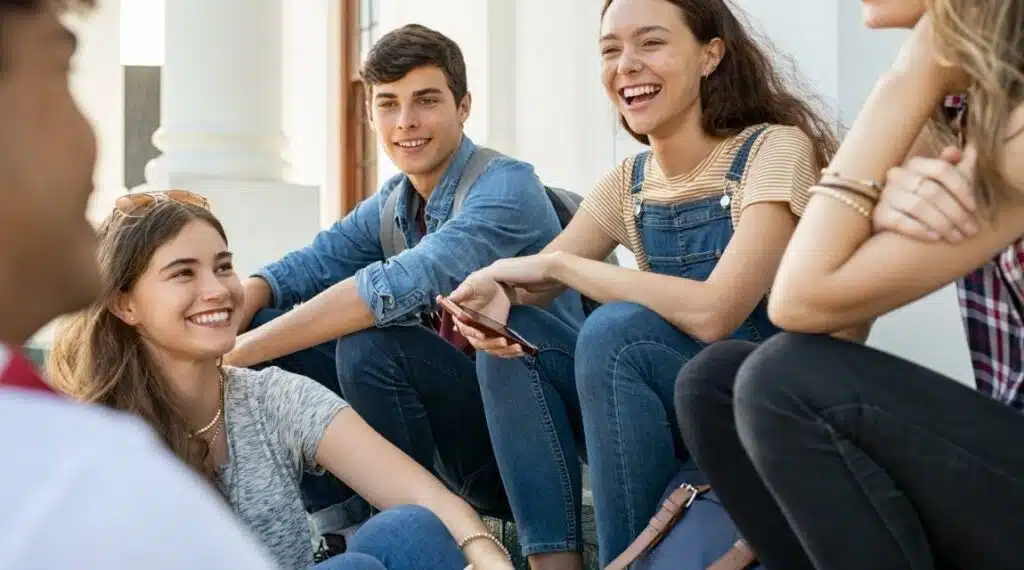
[610, 385]
[400, 538]
[419, 392]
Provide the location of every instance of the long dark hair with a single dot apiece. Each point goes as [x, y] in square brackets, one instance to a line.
[746, 88]
[98, 358]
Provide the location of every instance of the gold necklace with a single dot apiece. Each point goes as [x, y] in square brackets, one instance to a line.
[220, 410]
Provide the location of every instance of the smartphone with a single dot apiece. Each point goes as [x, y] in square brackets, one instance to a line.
[488, 325]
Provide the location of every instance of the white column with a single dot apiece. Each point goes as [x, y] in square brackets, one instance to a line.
[98, 85]
[221, 91]
[221, 130]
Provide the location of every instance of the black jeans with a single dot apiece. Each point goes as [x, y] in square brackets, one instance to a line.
[835, 456]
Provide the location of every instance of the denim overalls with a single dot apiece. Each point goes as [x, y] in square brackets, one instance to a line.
[605, 392]
[687, 239]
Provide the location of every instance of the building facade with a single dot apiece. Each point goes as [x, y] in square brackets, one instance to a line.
[261, 108]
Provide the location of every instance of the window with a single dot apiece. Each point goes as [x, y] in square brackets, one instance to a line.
[360, 27]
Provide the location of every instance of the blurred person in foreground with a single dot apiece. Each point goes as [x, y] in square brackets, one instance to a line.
[81, 487]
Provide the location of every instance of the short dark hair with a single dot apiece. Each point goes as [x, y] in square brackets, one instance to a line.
[410, 47]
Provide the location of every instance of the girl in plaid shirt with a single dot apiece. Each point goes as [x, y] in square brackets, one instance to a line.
[833, 455]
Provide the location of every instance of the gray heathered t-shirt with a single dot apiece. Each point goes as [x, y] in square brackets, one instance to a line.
[275, 420]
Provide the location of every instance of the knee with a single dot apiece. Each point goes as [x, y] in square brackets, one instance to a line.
[709, 376]
[405, 520]
[625, 340]
[357, 351]
[605, 325]
[787, 373]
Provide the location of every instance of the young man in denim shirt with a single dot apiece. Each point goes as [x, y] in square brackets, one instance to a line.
[366, 326]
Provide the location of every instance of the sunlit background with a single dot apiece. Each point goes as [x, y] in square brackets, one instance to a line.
[142, 32]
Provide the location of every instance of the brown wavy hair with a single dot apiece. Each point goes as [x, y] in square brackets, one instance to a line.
[746, 88]
[984, 39]
[98, 358]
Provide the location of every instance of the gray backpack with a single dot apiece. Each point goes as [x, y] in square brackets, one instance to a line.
[565, 203]
[392, 240]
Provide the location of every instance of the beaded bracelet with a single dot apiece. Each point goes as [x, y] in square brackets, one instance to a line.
[837, 195]
[488, 536]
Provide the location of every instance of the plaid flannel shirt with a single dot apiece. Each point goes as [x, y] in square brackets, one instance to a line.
[992, 305]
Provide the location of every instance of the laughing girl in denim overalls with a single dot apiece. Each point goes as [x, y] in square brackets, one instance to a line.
[707, 211]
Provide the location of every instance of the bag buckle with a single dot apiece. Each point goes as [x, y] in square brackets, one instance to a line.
[693, 494]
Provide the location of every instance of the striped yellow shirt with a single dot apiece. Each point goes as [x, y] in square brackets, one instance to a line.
[781, 168]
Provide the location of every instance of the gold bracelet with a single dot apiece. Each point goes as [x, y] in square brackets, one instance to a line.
[868, 183]
[837, 195]
[847, 186]
[488, 536]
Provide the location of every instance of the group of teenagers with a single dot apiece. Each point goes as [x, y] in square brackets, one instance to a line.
[330, 391]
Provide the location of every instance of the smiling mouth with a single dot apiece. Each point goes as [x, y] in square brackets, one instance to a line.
[412, 144]
[639, 94]
[213, 319]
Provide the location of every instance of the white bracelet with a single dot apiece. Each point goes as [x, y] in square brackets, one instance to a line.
[488, 536]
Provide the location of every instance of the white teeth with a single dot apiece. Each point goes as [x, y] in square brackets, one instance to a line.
[211, 318]
[640, 90]
[412, 144]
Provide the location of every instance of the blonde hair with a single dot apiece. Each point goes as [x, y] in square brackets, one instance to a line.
[984, 39]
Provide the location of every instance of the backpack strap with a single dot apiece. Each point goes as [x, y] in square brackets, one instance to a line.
[392, 240]
[475, 166]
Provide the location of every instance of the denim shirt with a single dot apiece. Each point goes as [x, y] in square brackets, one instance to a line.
[505, 214]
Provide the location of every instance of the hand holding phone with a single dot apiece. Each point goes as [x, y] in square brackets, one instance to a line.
[486, 324]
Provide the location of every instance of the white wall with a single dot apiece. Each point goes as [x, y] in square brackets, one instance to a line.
[841, 59]
[97, 82]
[310, 106]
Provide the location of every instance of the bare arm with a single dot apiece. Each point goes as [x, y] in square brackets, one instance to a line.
[835, 273]
[582, 238]
[386, 477]
[708, 310]
[334, 313]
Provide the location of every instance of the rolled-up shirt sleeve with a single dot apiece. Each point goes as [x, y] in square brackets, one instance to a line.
[336, 254]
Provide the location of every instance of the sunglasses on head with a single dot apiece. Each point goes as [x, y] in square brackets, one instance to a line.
[136, 205]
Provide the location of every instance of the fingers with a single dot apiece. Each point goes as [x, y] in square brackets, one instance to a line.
[954, 182]
[951, 154]
[462, 293]
[887, 218]
[495, 346]
[932, 193]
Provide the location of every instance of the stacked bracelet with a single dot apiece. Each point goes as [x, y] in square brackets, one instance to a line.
[842, 197]
[844, 189]
[870, 184]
